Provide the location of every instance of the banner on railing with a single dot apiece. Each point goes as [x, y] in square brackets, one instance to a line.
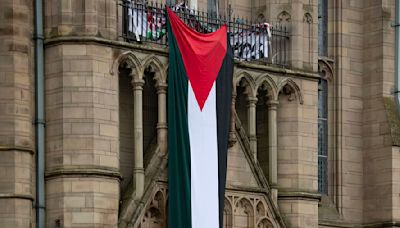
[149, 23]
[252, 45]
[144, 22]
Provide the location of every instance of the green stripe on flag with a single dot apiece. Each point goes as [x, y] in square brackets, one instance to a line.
[179, 199]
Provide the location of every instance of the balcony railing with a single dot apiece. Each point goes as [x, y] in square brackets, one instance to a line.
[262, 42]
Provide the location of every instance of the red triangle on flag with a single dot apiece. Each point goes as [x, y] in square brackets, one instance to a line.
[202, 55]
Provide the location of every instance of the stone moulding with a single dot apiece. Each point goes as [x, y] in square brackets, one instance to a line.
[19, 149]
[16, 196]
[164, 52]
[83, 171]
[299, 194]
[341, 224]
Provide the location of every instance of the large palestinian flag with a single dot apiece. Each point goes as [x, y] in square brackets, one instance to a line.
[199, 102]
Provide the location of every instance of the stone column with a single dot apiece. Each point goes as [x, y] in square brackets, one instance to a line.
[17, 146]
[251, 114]
[273, 148]
[232, 135]
[138, 170]
[162, 117]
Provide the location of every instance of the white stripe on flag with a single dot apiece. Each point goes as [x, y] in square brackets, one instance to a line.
[204, 160]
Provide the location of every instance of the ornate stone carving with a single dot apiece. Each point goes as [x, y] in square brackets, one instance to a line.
[240, 210]
[288, 87]
[248, 211]
[325, 69]
[284, 16]
[308, 18]
[155, 215]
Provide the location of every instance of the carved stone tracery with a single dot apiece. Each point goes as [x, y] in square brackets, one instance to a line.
[240, 210]
[155, 215]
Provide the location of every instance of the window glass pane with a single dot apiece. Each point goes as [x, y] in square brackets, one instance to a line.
[322, 137]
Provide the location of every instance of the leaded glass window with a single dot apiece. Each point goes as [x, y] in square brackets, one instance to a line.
[322, 27]
[323, 137]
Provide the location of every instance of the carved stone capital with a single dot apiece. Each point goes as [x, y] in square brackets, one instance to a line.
[272, 104]
[137, 84]
[252, 101]
[161, 88]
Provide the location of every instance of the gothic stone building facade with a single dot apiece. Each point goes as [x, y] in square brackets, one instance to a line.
[313, 144]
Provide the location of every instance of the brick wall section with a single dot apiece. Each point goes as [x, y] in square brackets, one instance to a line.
[82, 134]
[16, 114]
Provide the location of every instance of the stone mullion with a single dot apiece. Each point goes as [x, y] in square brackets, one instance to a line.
[273, 148]
[251, 110]
[162, 118]
[138, 170]
[232, 135]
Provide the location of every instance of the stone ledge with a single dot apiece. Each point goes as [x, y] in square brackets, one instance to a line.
[164, 51]
[19, 149]
[276, 69]
[236, 188]
[341, 224]
[382, 224]
[16, 196]
[307, 195]
[338, 223]
[97, 40]
[84, 171]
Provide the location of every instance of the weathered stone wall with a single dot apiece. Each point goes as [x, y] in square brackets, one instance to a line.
[80, 18]
[297, 155]
[82, 167]
[16, 114]
[345, 45]
[380, 159]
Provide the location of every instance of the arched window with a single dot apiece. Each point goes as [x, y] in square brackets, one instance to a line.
[126, 121]
[150, 115]
[241, 104]
[262, 129]
[322, 101]
[323, 136]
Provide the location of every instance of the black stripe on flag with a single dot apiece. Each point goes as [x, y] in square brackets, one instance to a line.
[224, 100]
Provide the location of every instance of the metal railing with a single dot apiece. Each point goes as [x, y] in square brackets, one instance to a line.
[263, 42]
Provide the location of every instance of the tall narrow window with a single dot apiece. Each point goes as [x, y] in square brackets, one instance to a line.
[322, 27]
[323, 137]
[212, 8]
[170, 2]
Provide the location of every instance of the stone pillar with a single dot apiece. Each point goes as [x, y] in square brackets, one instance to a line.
[82, 168]
[251, 114]
[81, 18]
[273, 148]
[232, 135]
[16, 114]
[298, 158]
[162, 118]
[138, 170]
